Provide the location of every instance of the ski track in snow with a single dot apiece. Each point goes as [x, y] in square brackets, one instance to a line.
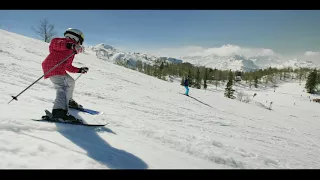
[150, 125]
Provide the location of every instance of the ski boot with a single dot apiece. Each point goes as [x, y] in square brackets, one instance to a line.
[73, 104]
[62, 115]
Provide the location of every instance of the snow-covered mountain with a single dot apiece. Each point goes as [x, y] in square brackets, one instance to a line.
[273, 61]
[295, 63]
[234, 62]
[174, 60]
[109, 53]
[266, 61]
[239, 62]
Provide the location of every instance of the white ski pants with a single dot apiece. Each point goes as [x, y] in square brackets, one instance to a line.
[64, 85]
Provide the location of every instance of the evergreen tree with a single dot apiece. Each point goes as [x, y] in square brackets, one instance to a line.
[256, 81]
[311, 82]
[154, 70]
[139, 65]
[318, 78]
[245, 77]
[216, 78]
[266, 80]
[198, 79]
[161, 66]
[250, 80]
[148, 69]
[180, 71]
[221, 76]
[190, 78]
[300, 74]
[228, 90]
[160, 69]
[205, 79]
[205, 84]
[210, 75]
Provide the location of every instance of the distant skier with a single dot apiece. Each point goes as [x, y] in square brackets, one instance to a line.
[64, 84]
[186, 85]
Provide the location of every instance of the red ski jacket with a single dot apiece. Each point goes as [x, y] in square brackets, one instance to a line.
[58, 52]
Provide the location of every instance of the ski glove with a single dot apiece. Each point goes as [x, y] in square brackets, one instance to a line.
[83, 70]
[75, 47]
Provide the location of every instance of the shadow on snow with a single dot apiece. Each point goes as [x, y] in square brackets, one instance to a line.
[98, 149]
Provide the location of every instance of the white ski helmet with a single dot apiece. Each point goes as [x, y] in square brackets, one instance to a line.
[75, 34]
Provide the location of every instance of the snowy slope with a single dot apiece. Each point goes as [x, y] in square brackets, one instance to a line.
[151, 125]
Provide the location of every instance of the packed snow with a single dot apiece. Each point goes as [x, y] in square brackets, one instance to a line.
[151, 124]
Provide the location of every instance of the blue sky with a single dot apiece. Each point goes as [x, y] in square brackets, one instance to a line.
[286, 32]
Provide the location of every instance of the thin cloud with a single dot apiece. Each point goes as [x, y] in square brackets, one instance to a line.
[230, 49]
[312, 53]
[177, 52]
[224, 50]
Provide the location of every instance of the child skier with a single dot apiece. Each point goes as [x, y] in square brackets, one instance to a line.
[186, 85]
[59, 49]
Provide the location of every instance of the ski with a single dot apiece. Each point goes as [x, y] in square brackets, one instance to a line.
[48, 118]
[86, 110]
[57, 121]
[184, 94]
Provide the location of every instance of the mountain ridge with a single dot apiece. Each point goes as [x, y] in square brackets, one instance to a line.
[235, 62]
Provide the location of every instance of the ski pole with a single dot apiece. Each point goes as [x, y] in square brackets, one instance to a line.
[15, 97]
[78, 77]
